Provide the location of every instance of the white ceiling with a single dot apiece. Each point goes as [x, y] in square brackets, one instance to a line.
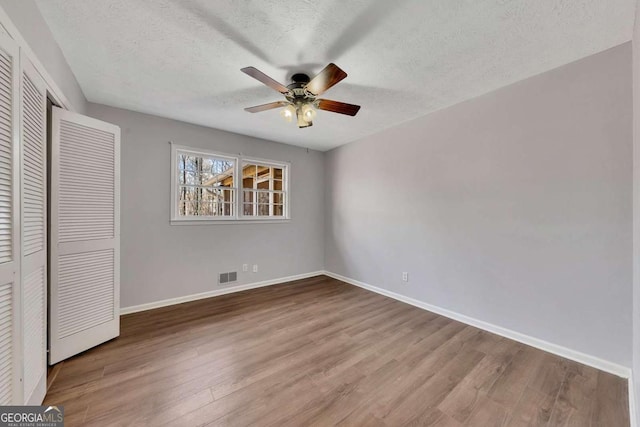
[405, 58]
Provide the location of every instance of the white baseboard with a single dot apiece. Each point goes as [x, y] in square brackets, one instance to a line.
[215, 293]
[595, 362]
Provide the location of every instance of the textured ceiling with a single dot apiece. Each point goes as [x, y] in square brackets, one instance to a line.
[405, 58]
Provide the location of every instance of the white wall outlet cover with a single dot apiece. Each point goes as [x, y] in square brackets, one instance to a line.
[405, 276]
[255, 268]
[245, 267]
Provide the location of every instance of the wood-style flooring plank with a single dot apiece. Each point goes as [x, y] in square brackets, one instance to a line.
[321, 352]
[576, 398]
[533, 409]
[463, 399]
[611, 404]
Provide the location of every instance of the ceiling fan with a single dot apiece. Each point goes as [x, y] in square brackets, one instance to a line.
[302, 95]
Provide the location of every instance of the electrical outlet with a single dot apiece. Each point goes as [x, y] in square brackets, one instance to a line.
[245, 267]
[255, 268]
[405, 276]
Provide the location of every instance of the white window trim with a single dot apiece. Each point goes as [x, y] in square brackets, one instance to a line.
[239, 217]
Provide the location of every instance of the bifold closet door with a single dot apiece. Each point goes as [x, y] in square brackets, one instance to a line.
[33, 135]
[85, 234]
[10, 291]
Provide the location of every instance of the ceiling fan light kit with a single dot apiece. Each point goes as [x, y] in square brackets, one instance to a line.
[302, 95]
[288, 113]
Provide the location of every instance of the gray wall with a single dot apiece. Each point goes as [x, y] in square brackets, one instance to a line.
[513, 208]
[636, 212]
[26, 16]
[160, 261]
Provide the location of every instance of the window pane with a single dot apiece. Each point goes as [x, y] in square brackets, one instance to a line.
[217, 173]
[277, 173]
[248, 175]
[218, 181]
[228, 209]
[263, 197]
[186, 197]
[186, 208]
[206, 208]
[264, 172]
[205, 185]
[185, 177]
[263, 210]
[277, 185]
[221, 167]
[278, 210]
[278, 198]
[187, 163]
[248, 205]
[204, 170]
[203, 201]
[186, 171]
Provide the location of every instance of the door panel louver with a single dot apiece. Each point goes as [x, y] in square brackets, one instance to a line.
[87, 182]
[6, 159]
[85, 287]
[85, 234]
[33, 199]
[6, 344]
[34, 328]
[33, 206]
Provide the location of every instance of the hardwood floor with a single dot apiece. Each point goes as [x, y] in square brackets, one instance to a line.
[321, 352]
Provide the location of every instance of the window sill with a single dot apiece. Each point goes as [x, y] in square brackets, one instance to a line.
[228, 221]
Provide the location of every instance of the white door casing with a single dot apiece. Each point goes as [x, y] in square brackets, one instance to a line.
[85, 234]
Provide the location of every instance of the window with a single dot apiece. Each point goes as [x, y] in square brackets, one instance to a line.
[262, 190]
[209, 186]
[205, 185]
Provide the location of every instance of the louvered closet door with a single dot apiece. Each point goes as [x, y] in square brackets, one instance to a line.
[34, 233]
[10, 293]
[85, 234]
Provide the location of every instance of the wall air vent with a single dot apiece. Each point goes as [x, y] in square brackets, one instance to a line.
[224, 278]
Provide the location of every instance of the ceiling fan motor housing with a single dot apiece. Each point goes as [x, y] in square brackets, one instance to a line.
[298, 82]
[300, 78]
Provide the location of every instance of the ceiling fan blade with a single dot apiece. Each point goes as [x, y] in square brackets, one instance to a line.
[264, 107]
[328, 77]
[338, 107]
[262, 77]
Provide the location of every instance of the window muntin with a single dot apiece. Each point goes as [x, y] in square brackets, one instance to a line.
[207, 186]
